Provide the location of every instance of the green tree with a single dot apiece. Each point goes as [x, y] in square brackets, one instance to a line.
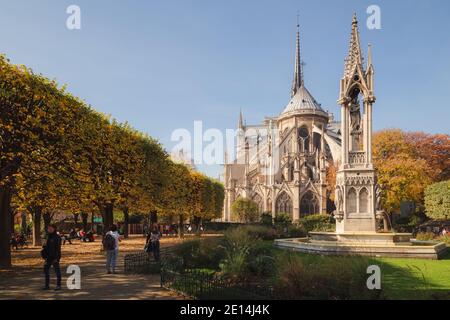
[245, 210]
[437, 200]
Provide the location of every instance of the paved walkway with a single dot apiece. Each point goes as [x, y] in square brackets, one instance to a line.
[27, 283]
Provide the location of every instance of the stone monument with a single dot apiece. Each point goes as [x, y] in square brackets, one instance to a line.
[357, 195]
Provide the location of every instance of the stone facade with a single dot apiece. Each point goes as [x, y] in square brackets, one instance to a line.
[281, 164]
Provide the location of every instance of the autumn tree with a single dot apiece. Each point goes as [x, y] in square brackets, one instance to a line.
[435, 150]
[401, 174]
[58, 154]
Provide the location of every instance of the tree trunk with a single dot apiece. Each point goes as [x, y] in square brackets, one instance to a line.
[47, 220]
[24, 224]
[126, 222]
[5, 228]
[84, 220]
[197, 222]
[108, 217]
[75, 219]
[12, 215]
[37, 214]
[181, 226]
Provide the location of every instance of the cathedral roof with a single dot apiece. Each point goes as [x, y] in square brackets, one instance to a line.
[302, 101]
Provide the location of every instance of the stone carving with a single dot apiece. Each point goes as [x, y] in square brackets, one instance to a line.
[378, 194]
[355, 114]
[359, 180]
[339, 203]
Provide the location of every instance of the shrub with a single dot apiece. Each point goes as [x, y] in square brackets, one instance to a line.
[311, 277]
[201, 253]
[261, 232]
[317, 223]
[425, 236]
[297, 231]
[245, 210]
[437, 200]
[262, 266]
[219, 226]
[266, 219]
[237, 244]
[282, 219]
[445, 239]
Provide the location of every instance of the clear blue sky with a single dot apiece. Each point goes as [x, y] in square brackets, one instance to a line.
[161, 65]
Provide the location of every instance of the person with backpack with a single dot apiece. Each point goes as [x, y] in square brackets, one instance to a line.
[51, 253]
[111, 246]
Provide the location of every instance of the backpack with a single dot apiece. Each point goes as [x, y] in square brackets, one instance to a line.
[109, 243]
[44, 253]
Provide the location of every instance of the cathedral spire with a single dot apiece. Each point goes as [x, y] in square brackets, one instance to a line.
[241, 120]
[354, 57]
[298, 74]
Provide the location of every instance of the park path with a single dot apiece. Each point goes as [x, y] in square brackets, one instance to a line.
[26, 283]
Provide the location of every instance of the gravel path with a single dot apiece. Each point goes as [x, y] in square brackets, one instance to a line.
[25, 280]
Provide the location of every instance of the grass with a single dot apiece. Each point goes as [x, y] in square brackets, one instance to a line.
[415, 278]
[404, 279]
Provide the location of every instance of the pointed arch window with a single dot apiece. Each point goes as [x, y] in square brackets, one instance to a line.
[309, 204]
[363, 201]
[303, 137]
[259, 201]
[351, 201]
[284, 204]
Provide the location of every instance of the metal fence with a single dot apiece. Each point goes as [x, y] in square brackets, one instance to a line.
[201, 285]
[144, 263]
[141, 262]
[194, 283]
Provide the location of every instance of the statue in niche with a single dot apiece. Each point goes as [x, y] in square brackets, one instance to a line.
[378, 195]
[339, 201]
[355, 121]
[355, 115]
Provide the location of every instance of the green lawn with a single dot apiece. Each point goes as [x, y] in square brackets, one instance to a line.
[409, 279]
[415, 278]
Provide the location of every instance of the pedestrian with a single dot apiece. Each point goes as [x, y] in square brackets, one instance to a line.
[154, 242]
[51, 253]
[13, 242]
[65, 238]
[111, 246]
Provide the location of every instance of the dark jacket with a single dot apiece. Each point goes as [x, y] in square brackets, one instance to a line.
[53, 247]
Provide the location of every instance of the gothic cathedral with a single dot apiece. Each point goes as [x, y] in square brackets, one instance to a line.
[281, 164]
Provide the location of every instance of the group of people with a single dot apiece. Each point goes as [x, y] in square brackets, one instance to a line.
[164, 229]
[51, 251]
[18, 240]
[81, 235]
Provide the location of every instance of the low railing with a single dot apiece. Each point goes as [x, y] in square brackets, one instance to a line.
[143, 262]
[357, 157]
[201, 285]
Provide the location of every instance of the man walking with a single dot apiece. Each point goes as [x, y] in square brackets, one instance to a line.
[111, 246]
[51, 253]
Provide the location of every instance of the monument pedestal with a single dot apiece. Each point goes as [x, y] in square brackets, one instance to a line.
[394, 245]
[363, 238]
